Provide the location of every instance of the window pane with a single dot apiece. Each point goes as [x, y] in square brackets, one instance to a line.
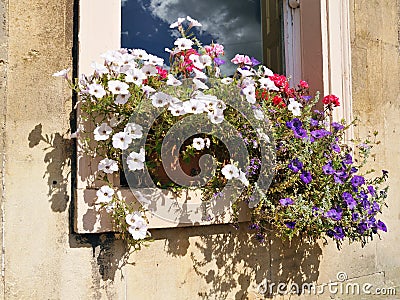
[234, 23]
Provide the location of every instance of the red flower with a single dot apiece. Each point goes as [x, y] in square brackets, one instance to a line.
[163, 73]
[278, 101]
[303, 84]
[279, 80]
[331, 99]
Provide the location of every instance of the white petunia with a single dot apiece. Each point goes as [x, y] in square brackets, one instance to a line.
[183, 44]
[216, 118]
[134, 130]
[160, 99]
[62, 73]
[268, 84]
[227, 80]
[208, 142]
[173, 81]
[199, 74]
[198, 143]
[121, 140]
[149, 70]
[294, 107]
[243, 179]
[193, 22]
[96, 90]
[136, 76]
[245, 73]
[177, 109]
[250, 93]
[177, 23]
[199, 84]
[194, 106]
[230, 171]
[118, 87]
[122, 98]
[264, 71]
[136, 160]
[148, 89]
[140, 54]
[105, 194]
[258, 114]
[155, 60]
[137, 225]
[102, 132]
[99, 68]
[108, 166]
[201, 61]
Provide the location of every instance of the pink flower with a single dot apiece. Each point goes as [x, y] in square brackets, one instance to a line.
[215, 50]
[241, 59]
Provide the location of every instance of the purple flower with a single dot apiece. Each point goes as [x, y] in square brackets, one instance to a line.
[300, 133]
[375, 207]
[295, 165]
[335, 147]
[338, 233]
[254, 62]
[334, 214]
[320, 133]
[357, 181]
[294, 124]
[362, 227]
[340, 176]
[381, 226]
[260, 237]
[218, 61]
[355, 216]
[306, 177]
[313, 122]
[306, 98]
[328, 169]
[353, 170]
[286, 201]
[290, 224]
[337, 126]
[371, 190]
[348, 160]
[254, 226]
[348, 198]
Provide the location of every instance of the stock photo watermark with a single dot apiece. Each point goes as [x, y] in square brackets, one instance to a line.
[341, 286]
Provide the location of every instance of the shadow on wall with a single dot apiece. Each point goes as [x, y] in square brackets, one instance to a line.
[229, 259]
[58, 159]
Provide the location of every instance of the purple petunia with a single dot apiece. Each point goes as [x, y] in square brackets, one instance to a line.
[254, 62]
[357, 181]
[335, 147]
[334, 213]
[340, 176]
[290, 224]
[219, 61]
[320, 133]
[355, 216]
[337, 126]
[381, 226]
[348, 160]
[300, 133]
[328, 169]
[348, 198]
[306, 177]
[295, 165]
[314, 122]
[286, 201]
[371, 190]
[294, 124]
[362, 227]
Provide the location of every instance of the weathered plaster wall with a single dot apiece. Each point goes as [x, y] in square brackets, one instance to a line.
[43, 259]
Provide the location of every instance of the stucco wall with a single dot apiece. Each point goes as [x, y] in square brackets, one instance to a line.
[43, 259]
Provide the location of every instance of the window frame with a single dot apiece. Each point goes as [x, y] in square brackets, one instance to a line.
[317, 49]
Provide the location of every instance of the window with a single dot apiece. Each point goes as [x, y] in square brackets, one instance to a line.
[313, 44]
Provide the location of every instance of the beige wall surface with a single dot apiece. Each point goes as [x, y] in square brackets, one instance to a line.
[43, 259]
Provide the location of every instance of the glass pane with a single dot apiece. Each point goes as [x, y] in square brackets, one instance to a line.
[234, 23]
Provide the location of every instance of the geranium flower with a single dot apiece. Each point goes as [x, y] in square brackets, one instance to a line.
[331, 99]
[102, 132]
[108, 166]
[105, 194]
[121, 140]
[96, 90]
[183, 44]
[230, 171]
[136, 160]
[198, 143]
